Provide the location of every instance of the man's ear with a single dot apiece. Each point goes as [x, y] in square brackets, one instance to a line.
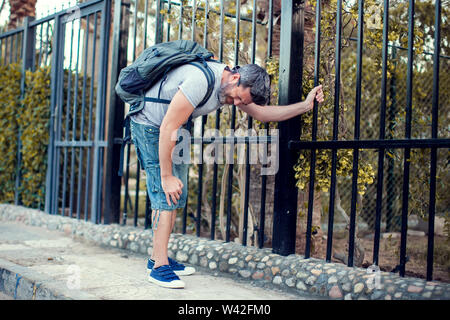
[234, 78]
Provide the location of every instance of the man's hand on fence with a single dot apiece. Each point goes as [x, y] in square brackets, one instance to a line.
[314, 93]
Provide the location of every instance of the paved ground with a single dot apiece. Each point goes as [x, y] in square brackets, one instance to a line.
[5, 297]
[107, 273]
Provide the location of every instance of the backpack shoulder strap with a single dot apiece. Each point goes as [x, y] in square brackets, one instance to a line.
[209, 74]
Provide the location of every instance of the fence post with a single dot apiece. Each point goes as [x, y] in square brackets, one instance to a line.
[116, 114]
[97, 177]
[28, 48]
[159, 23]
[50, 196]
[290, 91]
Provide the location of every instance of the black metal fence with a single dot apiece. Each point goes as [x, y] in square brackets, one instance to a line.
[222, 30]
[88, 45]
[407, 144]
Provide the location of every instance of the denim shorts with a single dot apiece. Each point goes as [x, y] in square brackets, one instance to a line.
[146, 142]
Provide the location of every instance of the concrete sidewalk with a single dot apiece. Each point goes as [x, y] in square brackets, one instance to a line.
[37, 263]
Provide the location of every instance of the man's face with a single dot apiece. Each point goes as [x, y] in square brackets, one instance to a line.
[231, 93]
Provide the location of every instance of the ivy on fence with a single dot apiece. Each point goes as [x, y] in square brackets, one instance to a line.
[34, 121]
[9, 105]
[32, 115]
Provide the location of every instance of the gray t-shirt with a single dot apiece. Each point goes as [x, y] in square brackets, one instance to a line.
[192, 82]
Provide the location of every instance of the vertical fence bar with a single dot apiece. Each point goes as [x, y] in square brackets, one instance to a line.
[215, 167]
[127, 174]
[134, 28]
[169, 7]
[434, 131]
[376, 241]
[202, 129]
[16, 47]
[46, 43]
[138, 164]
[247, 145]
[11, 49]
[312, 172]
[40, 47]
[180, 22]
[6, 39]
[83, 108]
[194, 11]
[33, 59]
[159, 23]
[91, 101]
[337, 84]
[185, 213]
[147, 198]
[59, 77]
[262, 215]
[105, 67]
[20, 48]
[290, 91]
[74, 119]
[6, 49]
[390, 179]
[4, 45]
[126, 196]
[100, 112]
[66, 128]
[136, 196]
[351, 241]
[145, 23]
[407, 156]
[200, 182]
[115, 116]
[116, 113]
[233, 125]
[28, 50]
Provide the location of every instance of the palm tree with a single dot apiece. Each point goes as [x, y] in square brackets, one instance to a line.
[19, 9]
[263, 14]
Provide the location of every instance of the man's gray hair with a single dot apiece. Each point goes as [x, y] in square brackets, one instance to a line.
[257, 79]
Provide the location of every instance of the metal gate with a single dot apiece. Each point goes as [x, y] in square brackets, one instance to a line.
[77, 127]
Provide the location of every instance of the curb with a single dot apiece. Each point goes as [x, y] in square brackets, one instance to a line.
[25, 284]
[261, 267]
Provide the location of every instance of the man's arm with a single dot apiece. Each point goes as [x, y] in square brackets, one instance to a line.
[281, 113]
[178, 112]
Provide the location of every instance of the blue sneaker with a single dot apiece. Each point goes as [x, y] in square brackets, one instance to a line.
[178, 268]
[165, 277]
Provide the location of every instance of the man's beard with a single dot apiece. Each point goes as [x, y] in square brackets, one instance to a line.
[222, 94]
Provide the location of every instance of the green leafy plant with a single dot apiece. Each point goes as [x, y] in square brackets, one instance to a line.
[10, 76]
[34, 121]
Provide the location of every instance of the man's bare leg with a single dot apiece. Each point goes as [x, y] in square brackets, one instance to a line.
[161, 234]
[174, 217]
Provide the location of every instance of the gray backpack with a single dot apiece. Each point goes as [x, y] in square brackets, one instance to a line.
[153, 65]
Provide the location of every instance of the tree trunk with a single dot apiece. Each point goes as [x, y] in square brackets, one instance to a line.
[19, 9]
[358, 256]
